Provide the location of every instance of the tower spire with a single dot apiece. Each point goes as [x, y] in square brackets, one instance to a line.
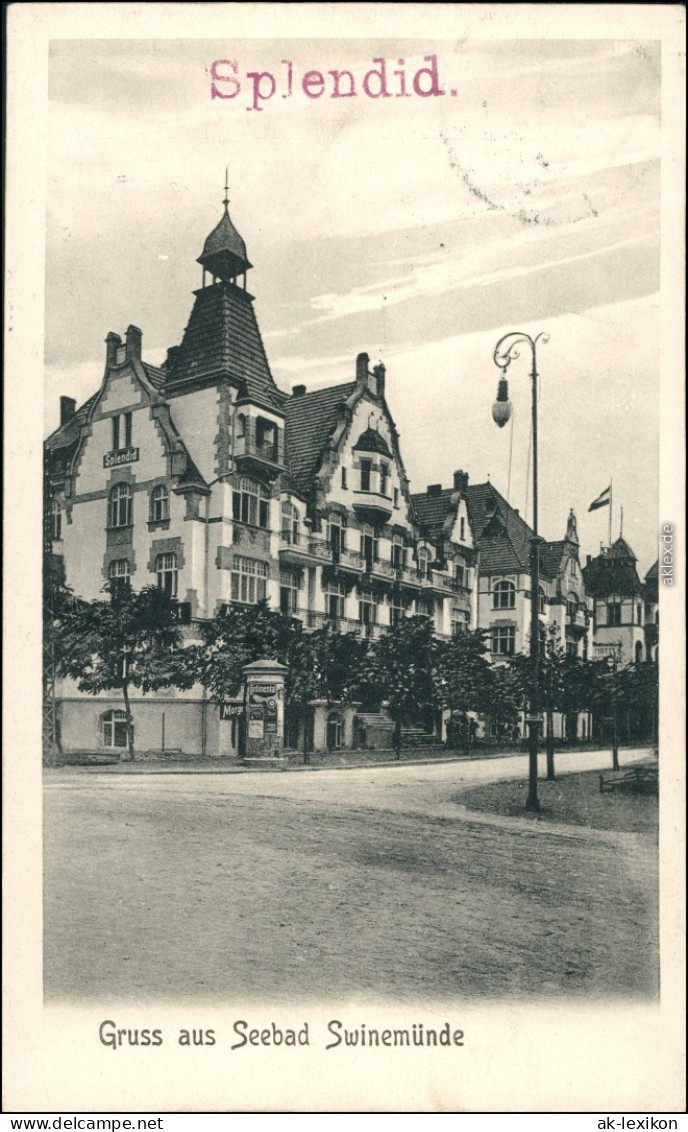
[226, 198]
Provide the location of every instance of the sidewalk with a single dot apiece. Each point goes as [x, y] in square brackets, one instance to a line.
[587, 760]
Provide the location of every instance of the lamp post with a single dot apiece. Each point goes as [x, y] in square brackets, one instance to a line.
[504, 353]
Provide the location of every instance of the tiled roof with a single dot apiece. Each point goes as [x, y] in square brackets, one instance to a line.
[222, 337]
[155, 375]
[653, 573]
[621, 549]
[432, 510]
[607, 575]
[224, 251]
[551, 555]
[310, 418]
[502, 537]
[68, 433]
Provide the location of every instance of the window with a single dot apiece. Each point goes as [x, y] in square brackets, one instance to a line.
[367, 610]
[240, 426]
[571, 605]
[424, 563]
[396, 611]
[251, 503]
[503, 640]
[337, 536]
[638, 652]
[121, 435]
[55, 520]
[397, 552]
[639, 614]
[344, 478]
[425, 606]
[369, 547]
[120, 505]
[159, 504]
[119, 572]
[460, 573]
[396, 496]
[113, 729]
[366, 468]
[384, 478]
[249, 580]
[462, 528]
[504, 595]
[542, 600]
[335, 596]
[614, 613]
[571, 648]
[459, 620]
[166, 569]
[289, 592]
[290, 524]
[266, 438]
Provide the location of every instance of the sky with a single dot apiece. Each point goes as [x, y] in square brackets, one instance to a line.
[526, 197]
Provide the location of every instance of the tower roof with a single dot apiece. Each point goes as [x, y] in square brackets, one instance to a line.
[224, 251]
[371, 441]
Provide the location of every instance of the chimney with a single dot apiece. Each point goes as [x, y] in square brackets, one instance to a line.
[134, 337]
[379, 373]
[67, 409]
[460, 481]
[298, 391]
[588, 559]
[362, 368]
[172, 352]
[113, 343]
[434, 488]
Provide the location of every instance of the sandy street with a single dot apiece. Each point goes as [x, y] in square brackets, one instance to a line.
[369, 883]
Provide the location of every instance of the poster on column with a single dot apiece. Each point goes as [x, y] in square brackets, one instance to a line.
[383, 299]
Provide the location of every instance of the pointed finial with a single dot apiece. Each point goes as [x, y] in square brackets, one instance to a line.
[226, 200]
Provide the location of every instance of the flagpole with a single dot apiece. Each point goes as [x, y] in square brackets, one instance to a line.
[610, 513]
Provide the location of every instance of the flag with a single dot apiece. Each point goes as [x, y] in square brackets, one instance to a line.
[603, 499]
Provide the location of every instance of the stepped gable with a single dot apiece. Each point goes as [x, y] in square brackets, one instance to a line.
[310, 419]
[222, 339]
[613, 574]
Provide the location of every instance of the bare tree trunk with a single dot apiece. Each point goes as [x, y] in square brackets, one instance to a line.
[397, 735]
[130, 722]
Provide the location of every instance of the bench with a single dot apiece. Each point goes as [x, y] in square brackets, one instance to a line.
[638, 779]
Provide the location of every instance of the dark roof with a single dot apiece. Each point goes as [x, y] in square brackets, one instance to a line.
[224, 251]
[68, 433]
[310, 418]
[432, 510]
[610, 575]
[502, 537]
[551, 555]
[371, 441]
[621, 549]
[222, 338]
[653, 573]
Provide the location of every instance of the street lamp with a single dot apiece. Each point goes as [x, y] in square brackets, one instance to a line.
[504, 353]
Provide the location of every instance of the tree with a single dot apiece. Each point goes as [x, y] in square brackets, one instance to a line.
[461, 672]
[510, 683]
[399, 668]
[323, 665]
[237, 636]
[131, 640]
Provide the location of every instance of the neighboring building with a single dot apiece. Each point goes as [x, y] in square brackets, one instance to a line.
[651, 612]
[621, 609]
[204, 478]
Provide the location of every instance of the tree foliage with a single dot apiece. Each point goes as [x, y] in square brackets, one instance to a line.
[130, 640]
[398, 668]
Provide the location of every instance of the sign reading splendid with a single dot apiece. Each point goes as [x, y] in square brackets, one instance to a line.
[122, 456]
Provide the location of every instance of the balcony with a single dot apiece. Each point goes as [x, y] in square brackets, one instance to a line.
[255, 456]
[576, 622]
[302, 548]
[317, 619]
[372, 506]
